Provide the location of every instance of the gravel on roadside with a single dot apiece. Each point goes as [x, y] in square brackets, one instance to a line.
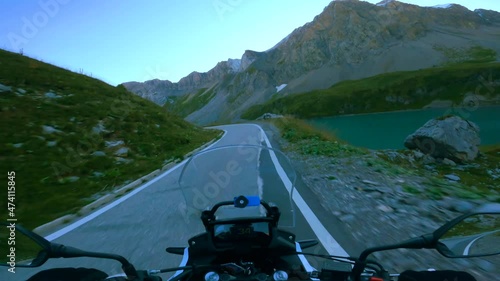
[377, 209]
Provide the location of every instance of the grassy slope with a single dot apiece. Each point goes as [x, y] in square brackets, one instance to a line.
[190, 103]
[407, 90]
[47, 186]
[311, 141]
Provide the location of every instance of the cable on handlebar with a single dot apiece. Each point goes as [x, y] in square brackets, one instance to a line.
[175, 269]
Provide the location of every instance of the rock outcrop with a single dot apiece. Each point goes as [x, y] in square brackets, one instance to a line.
[452, 138]
[348, 40]
[162, 91]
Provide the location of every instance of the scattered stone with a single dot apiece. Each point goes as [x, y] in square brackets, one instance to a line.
[99, 128]
[495, 174]
[51, 143]
[451, 137]
[367, 188]
[72, 119]
[4, 88]
[452, 177]
[461, 206]
[444, 204]
[347, 218]
[412, 200]
[50, 130]
[370, 182]
[429, 167]
[385, 208]
[21, 91]
[17, 145]
[384, 189]
[157, 125]
[269, 116]
[417, 154]
[426, 205]
[98, 153]
[120, 160]
[399, 189]
[114, 143]
[51, 95]
[427, 159]
[123, 151]
[98, 174]
[393, 155]
[391, 202]
[71, 179]
[449, 162]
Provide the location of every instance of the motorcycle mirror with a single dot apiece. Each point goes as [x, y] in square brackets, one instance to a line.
[23, 247]
[476, 235]
[28, 249]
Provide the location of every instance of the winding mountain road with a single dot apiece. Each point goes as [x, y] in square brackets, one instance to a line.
[141, 224]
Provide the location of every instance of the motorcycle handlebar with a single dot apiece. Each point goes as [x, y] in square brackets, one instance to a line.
[143, 275]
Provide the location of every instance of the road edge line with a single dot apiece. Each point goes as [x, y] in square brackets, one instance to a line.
[113, 204]
[326, 239]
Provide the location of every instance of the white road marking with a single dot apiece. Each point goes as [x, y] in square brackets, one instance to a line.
[328, 242]
[326, 239]
[467, 249]
[101, 211]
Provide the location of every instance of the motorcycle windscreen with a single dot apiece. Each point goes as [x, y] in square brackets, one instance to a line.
[224, 173]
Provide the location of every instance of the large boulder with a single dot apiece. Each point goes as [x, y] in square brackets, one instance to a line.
[451, 137]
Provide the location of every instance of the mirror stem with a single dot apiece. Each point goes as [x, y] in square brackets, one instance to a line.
[422, 242]
[62, 251]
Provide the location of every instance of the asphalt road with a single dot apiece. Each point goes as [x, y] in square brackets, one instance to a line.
[481, 243]
[143, 225]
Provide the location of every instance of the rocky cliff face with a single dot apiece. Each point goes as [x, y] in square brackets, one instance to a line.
[159, 91]
[348, 40]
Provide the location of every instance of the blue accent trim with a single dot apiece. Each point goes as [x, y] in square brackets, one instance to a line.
[253, 200]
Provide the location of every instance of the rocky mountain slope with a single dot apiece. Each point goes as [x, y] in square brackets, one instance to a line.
[349, 40]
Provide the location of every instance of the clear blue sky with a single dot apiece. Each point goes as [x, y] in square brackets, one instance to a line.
[131, 40]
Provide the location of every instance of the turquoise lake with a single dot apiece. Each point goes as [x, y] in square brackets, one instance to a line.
[388, 130]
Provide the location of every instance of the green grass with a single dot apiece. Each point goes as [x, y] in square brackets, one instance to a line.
[476, 54]
[388, 92]
[310, 141]
[190, 103]
[45, 175]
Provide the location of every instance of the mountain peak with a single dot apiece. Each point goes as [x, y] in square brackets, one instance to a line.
[234, 64]
[443, 6]
[386, 2]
